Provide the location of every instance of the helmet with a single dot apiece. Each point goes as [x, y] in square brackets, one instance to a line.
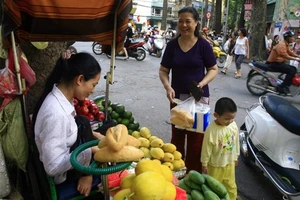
[288, 34]
[155, 26]
[205, 29]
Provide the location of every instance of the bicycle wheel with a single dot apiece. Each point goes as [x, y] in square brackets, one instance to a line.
[97, 48]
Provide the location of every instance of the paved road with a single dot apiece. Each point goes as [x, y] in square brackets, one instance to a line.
[138, 88]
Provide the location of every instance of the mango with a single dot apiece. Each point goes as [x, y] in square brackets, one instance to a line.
[169, 147]
[168, 164]
[168, 157]
[177, 155]
[145, 132]
[144, 142]
[178, 164]
[157, 142]
[136, 134]
[152, 138]
[146, 152]
[157, 153]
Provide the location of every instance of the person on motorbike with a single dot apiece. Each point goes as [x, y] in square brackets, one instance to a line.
[154, 32]
[278, 57]
[205, 34]
[129, 36]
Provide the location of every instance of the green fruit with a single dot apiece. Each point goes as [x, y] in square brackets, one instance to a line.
[215, 185]
[98, 99]
[109, 109]
[127, 114]
[125, 122]
[119, 120]
[191, 184]
[131, 126]
[196, 177]
[131, 119]
[182, 185]
[101, 108]
[136, 125]
[197, 195]
[114, 105]
[114, 115]
[189, 197]
[130, 131]
[210, 195]
[103, 103]
[120, 109]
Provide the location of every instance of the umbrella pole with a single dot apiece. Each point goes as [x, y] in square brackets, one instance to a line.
[110, 80]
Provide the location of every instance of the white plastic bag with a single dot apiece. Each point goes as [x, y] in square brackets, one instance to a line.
[193, 116]
[183, 114]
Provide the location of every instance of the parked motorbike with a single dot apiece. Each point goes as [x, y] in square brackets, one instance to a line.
[135, 50]
[270, 140]
[97, 48]
[158, 44]
[261, 80]
[219, 54]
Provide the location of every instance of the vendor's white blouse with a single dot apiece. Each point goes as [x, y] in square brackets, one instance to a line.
[55, 132]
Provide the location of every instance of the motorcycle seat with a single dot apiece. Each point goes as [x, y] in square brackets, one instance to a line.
[283, 112]
[264, 66]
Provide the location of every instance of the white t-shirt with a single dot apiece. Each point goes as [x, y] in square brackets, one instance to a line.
[55, 132]
[240, 46]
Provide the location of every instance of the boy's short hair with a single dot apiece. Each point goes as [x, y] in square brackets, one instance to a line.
[224, 105]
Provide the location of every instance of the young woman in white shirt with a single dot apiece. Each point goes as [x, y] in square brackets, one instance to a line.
[241, 50]
[55, 121]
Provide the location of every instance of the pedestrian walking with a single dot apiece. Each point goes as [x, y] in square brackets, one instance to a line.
[229, 58]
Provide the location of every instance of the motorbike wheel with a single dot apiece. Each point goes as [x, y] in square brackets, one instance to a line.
[259, 80]
[221, 61]
[141, 55]
[159, 53]
[97, 48]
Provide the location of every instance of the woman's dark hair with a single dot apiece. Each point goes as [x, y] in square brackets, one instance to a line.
[275, 36]
[243, 31]
[66, 70]
[224, 105]
[195, 14]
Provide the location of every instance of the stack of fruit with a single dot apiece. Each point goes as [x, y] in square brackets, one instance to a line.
[89, 109]
[150, 180]
[118, 114]
[203, 187]
[154, 148]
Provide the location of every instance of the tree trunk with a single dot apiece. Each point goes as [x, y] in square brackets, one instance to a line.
[241, 23]
[42, 62]
[164, 15]
[218, 17]
[204, 14]
[258, 27]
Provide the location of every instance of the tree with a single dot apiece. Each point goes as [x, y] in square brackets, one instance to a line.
[218, 17]
[258, 27]
[164, 15]
[241, 23]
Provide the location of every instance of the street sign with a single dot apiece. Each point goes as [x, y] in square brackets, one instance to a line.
[208, 15]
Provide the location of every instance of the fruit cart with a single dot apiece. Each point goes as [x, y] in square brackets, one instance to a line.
[63, 20]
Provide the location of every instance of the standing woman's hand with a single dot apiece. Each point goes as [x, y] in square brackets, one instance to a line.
[170, 94]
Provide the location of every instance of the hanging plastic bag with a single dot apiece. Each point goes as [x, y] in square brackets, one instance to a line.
[25, 70]
[8, 83]
[183, 114]
[4, 179]
[191, 115]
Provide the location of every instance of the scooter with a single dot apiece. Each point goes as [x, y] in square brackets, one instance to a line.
[219, 54]
[158, 44]
[135, 50]
[270, 140]
[261, 80]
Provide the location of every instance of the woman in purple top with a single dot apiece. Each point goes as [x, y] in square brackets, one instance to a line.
[190, 58]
